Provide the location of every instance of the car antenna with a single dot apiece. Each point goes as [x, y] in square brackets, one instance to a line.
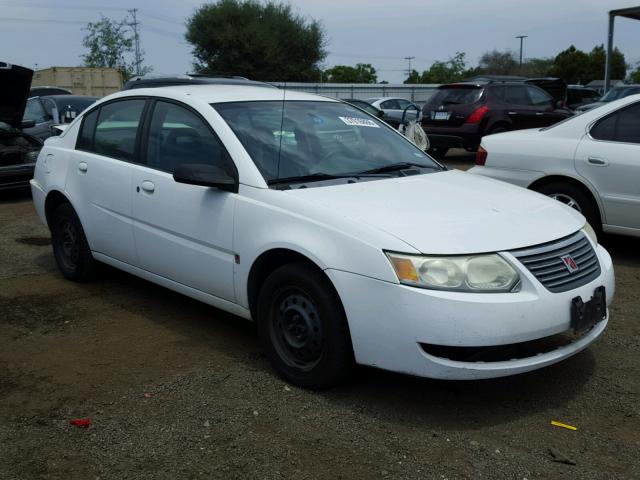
[284, 93]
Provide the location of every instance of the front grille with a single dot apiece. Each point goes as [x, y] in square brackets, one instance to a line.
[546, 264]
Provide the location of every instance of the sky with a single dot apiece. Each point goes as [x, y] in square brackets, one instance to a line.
[46, 33]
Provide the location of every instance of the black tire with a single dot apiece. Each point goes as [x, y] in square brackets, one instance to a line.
[303, 328]
[70, 247]
[574, 197]
[438, 152]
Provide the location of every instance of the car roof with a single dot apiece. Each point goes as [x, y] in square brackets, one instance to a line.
[189, 79]
[222, 93]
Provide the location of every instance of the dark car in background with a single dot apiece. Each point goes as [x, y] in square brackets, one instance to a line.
[616, 93]
[54, 110]
[577, 96]
[45, 91]
[458, 115]
[18, 150]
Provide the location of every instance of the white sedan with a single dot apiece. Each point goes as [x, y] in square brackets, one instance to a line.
[590, 162]
[341, 239]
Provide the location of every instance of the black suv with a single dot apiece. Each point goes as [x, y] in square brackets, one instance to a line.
[458, 115]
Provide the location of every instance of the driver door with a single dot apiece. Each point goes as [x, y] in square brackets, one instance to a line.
[183, 232]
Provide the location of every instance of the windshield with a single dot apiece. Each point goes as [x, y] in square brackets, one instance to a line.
[312, 138]
[456, 95]
[618, 93]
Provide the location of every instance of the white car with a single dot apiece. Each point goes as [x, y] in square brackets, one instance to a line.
[340, 238]
[393, 108]
[590, 162]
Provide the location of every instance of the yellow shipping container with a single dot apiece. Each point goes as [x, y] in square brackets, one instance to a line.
[80, 80]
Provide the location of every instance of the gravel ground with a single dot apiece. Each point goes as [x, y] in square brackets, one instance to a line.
[177, 389]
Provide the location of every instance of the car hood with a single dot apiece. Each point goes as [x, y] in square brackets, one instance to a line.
[15, 83]
[449, 212]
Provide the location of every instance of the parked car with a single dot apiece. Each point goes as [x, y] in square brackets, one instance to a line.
[393, 108]
[339, 237]
[458, 115]
[18, 150]
[45, 91]
[589, 162]
[370, 109]
[54, 110]
[615, 93]
[579, 96]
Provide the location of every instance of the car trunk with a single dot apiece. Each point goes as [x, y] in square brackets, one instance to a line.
[15, 83]
[451, 105]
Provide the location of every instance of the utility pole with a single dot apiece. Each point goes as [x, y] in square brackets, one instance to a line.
[521, 37]
[409, 68]
[136, 38]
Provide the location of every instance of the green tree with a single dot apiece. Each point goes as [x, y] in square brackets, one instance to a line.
[536, 67]
[264, 41]
[634, 76]
[109, 44]
[597, 62]
[496, 62]
[451, 70]
[361, 73]
[572, 65]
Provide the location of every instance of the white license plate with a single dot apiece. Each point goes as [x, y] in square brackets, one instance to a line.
[441, 115]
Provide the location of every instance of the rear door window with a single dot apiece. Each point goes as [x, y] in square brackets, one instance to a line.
[621, 126]
[390, 105]
[87, 129]
[117, 129]
[517, 95]
[538, 97]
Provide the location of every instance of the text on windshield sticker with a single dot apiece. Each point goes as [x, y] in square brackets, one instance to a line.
[359, 122]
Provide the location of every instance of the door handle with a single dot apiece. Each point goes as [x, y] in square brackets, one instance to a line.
[82, 167]
[539, 113]
[512, 113]
[148, 186]
[599, 162]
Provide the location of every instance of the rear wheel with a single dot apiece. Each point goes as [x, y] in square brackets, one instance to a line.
[438, 152]
[303, 329]
[574, 197]
[70, 247]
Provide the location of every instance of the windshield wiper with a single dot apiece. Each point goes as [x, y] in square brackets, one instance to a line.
[394, 167]
[307, 178]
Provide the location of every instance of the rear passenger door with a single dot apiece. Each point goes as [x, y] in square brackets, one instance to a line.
[609, 157]
[545, 112]
[183, 232]
[519, 109]
[99, 177]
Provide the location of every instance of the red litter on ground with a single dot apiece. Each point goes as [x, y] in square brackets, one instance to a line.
[81, 422]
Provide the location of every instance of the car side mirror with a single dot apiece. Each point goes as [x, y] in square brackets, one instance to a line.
[558, 104]
[28, 124]
[206, 176]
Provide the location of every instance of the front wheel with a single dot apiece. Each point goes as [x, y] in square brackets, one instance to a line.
[573, 196]
[303, 329]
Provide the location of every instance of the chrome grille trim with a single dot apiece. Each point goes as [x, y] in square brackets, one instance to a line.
[544, 262]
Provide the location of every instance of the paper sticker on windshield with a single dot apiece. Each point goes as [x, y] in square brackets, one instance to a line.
[359, 122]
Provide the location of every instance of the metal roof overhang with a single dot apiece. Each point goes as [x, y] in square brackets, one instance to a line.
[632, 13]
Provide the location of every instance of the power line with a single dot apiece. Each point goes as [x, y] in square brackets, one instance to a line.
[136, 38]
[409, 67]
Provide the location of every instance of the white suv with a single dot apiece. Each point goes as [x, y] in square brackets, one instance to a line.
[340, 238]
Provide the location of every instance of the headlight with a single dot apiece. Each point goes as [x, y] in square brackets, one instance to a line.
[591, 233]
[474, 273]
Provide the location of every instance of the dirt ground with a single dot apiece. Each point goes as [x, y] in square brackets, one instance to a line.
[178, 389]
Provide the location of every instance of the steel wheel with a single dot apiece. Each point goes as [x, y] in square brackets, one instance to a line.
[296, 330]
[69, 245]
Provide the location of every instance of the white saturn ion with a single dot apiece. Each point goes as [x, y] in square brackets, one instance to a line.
[341, 239]
[590, 162]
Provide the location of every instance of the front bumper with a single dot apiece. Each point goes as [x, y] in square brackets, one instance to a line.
[389, 322]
